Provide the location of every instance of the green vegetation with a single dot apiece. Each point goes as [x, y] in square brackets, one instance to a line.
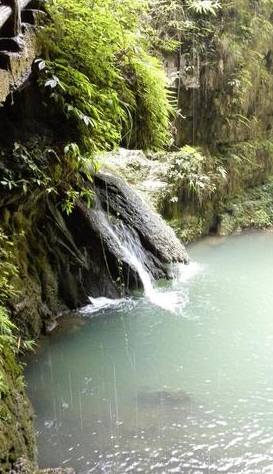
[64, 174]
[254, 208]
[218, 193]
[7, 271]
[226, 64]
[193, 176]
[176, 20]
[16, 418]
[101, 75]
[10, 342]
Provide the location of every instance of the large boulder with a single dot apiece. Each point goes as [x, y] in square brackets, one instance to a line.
[155, 243]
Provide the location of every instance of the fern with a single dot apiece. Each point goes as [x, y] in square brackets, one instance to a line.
[9, 342]
[205, 6]
[101, 74]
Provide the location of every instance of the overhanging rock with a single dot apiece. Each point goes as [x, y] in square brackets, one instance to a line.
[18, 44]
[15, 67]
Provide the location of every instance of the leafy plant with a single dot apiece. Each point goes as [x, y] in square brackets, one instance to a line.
[100, 73]
[7, 271]
[65, 173]
[10, 342]
[8, 268]
[191, 175]
[205, 6]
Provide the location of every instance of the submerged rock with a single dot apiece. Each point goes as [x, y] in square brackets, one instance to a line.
[163, 397]
[57, 471]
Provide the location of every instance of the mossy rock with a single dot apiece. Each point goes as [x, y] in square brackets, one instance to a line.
[16, 416]
[228, 224]
[251, 209]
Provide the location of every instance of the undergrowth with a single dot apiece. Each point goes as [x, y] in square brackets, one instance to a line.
[63, 174]
[252, 209]
[11, 344]
[7, 328]
[194, 176]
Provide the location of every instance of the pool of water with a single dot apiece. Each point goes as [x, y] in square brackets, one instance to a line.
[184, 387]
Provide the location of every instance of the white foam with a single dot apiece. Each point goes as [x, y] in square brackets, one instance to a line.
[187, 272]
[98, 304]
[170, 300]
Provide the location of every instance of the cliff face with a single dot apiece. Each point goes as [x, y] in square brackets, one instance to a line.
[225, 85]
[223, 78]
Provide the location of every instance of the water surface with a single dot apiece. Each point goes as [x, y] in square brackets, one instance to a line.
[142, 389]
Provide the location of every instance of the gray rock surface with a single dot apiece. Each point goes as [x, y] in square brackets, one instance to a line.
[122, 200]
[148, 174]
[120, 205]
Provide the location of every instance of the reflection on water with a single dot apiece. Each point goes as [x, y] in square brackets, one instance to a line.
[138, 388]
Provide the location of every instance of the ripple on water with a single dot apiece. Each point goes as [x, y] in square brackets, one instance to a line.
[212, 340]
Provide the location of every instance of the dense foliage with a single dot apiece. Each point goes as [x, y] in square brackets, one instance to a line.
[10, 340]
[99, 71]
[226, 58]
[7, 271]
[195, 175]
[63, 173]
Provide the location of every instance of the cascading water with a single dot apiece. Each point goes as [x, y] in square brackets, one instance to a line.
[128, 243]
[131, 248]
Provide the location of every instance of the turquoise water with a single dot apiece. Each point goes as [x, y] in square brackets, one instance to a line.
[141, 389]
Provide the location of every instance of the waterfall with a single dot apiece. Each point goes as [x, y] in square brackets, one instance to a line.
[131, 249]
[133, 252]
[132, 242]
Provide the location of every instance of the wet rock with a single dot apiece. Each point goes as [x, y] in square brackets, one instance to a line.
[123, 201]
[22, 466]
[158, 243]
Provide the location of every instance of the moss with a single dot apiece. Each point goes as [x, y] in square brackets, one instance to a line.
[189, 228]
[233, 71]
[248, 164]
[227, 224]
[252, 209]
[16, 416]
